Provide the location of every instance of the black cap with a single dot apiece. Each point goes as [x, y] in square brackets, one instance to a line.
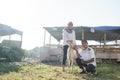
[84, 41]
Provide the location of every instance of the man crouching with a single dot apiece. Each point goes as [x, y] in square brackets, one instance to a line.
[86, 60]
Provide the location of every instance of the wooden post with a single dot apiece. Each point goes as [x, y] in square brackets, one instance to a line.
[104, 40]
[44, 37]
[82, 34]
[49, 40]
[21, 40]
[100, 43]
[59, 45]
[9, 37]
[116, 41]
[9, 44]
[0, 38]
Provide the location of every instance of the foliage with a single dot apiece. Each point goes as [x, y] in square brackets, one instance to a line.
[7, 67]
[35, 52]
[11, 54]
[27, 53]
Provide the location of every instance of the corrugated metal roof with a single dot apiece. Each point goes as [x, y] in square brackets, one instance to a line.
[7, 30]
[112, 33]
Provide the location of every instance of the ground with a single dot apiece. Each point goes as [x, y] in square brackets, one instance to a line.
[50, 71]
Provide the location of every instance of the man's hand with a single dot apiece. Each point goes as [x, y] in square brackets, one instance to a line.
[83, 62]
[78, 55]
[87, 61]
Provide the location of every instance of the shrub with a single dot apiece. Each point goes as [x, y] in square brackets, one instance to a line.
[11, 54]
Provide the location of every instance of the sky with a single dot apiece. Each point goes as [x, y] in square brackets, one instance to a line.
[30, 16]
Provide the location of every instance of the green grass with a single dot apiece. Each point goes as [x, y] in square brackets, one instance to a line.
[23, 71]
[107, 71]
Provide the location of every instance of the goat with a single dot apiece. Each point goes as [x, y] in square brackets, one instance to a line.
[71, 55]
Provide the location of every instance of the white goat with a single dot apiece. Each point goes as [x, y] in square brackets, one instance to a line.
[71, 55]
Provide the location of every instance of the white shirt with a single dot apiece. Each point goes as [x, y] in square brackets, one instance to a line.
[68, 36]
[87, 54]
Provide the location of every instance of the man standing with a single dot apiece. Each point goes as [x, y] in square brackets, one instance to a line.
[86, 61]
[68, 36]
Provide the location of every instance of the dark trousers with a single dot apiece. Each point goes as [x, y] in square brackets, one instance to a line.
[89, 68]
[65, 48]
